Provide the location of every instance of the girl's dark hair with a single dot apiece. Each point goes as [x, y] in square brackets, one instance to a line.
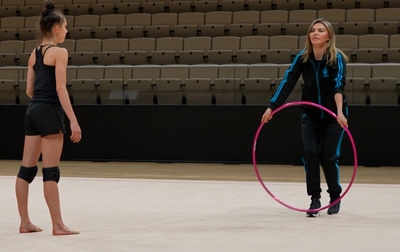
[49, 17]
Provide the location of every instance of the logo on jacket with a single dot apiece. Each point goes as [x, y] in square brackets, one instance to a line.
[325, 73]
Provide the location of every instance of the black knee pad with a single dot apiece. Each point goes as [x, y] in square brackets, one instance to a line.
[51, 174]
[27, 173]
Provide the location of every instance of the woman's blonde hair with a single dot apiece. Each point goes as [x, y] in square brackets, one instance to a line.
[331, 49]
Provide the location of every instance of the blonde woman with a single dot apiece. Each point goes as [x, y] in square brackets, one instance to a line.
[323, 69]
[44, 120]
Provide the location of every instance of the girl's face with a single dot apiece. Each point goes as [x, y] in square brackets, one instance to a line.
[319, 35]
[61, 31]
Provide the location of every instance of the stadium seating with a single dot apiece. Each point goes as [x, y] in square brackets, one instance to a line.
[122, 51]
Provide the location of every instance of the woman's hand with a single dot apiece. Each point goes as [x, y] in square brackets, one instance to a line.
[267, 116]
[341, 119]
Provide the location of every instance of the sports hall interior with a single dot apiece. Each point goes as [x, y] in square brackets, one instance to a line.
[169, 95]
[202, 55]
[218, 56]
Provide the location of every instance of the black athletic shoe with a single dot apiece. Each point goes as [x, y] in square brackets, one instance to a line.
[334, 209]
[315, 204]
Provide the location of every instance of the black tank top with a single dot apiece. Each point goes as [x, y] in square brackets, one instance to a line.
[44, 88]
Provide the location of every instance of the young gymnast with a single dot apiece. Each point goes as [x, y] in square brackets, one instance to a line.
[44, 120]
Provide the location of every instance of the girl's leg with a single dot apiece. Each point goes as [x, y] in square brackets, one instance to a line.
[51, 152]
[31, 153]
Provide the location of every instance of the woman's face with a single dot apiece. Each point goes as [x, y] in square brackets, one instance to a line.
[319, 35]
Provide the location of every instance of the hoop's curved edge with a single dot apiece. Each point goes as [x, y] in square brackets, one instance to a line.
[262, 182]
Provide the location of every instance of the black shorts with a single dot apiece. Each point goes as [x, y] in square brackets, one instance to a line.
[44, 119]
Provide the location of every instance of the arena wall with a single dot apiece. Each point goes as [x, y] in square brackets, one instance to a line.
[222, 134]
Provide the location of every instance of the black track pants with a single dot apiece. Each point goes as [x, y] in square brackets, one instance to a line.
[322, 142]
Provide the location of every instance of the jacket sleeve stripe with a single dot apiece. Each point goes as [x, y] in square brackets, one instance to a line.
[284, 80]
[339, 76]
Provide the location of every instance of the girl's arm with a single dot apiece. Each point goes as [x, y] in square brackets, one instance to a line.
[30, 80]
[61, 61]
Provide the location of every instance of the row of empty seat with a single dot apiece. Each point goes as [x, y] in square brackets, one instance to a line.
[201, 84]
[240, 23]
[213, 17]
[222, 17]
[81, 7]
[199, 50]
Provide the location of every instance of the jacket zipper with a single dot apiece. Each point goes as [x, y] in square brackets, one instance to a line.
[318, 87]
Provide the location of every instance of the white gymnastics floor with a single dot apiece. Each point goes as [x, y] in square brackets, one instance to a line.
[181, 215]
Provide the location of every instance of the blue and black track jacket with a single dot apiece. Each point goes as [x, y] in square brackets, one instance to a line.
[321, 83]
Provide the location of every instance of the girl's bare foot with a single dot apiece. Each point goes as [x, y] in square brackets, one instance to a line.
[64, 230]
[30, 228]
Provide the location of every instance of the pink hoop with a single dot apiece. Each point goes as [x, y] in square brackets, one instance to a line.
[259, 176]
